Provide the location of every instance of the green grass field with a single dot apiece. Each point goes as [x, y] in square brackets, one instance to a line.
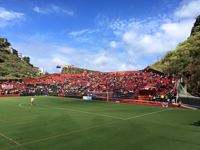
[64, 124]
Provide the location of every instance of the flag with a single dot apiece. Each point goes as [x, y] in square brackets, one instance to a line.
[58, 66]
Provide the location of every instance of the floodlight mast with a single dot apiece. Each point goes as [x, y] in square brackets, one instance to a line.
[107, 97]
[107, 91]
[177, 96]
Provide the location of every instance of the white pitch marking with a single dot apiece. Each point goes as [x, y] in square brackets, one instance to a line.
[10, 139]
[155, 112]
[55, 136]
[80, 130]
[76, 110]
[2, 120]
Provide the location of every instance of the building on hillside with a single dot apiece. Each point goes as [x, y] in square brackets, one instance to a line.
[14, 51]
[6, 46]
[4, 43]
[3, 40]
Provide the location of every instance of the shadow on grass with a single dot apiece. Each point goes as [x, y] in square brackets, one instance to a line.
[197, 123]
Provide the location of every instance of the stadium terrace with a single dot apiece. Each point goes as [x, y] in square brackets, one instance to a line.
[132, 85]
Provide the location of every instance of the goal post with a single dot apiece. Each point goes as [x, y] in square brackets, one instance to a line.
[105, 96]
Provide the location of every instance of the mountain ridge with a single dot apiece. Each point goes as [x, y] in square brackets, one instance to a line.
[13, 65]
[184, 61]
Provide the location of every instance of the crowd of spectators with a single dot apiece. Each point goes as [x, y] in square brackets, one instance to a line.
[128, 84]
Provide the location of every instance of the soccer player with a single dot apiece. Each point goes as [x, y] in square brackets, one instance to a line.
[32, 100]
[164, 104]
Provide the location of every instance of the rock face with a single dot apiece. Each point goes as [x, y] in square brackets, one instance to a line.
[4, 42]
[184, 61]
[196, 27]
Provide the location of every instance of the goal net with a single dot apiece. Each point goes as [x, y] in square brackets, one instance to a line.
[104, 96]
[185, 97]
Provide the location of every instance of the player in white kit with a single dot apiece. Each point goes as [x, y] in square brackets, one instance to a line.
[32, 100]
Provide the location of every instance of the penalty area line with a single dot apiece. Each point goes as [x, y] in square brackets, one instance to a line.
[56, 136]
[81, 130]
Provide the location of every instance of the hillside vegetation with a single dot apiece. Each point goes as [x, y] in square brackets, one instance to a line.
[74, 70]
[13, 66]
[184, 61]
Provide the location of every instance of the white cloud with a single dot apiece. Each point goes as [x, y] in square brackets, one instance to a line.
[58, 9]
[65, 49]
[40, 10]
[48, 55]
[52, 9]
[156, 35]
[129, 44]
[189, 9]
[177, 31]
[9, 17]
[105, 61]
[166, 38]
[82, 32]
[84, 36]
[113, 44]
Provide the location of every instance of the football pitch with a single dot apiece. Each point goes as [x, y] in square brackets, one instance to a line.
[55, 123]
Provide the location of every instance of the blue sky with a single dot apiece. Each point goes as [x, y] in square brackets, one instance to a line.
[103, 35]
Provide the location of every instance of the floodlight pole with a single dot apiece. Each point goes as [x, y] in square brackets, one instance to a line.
[107, 96]
[177, 85]
[107, 90]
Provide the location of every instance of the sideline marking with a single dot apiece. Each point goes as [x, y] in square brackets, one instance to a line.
[10, 139]
[80, 130]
